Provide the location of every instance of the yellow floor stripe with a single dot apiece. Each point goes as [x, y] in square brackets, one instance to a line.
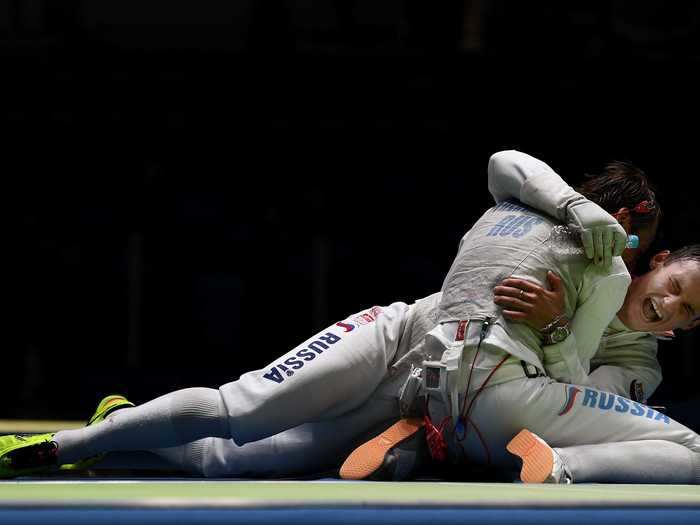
[12, 426]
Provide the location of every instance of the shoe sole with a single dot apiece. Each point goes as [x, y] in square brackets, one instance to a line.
[538, 460]
[368, 457]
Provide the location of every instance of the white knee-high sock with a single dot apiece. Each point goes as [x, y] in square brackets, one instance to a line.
[188, 457]
[649, 461]
[174, 419]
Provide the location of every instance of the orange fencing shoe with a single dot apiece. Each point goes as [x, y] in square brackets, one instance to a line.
[380, 453]
[541, 463]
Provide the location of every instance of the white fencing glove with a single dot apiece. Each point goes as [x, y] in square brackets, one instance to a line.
[602, 236]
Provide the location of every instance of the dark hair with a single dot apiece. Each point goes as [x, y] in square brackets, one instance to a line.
[687, 253]
[623, 185]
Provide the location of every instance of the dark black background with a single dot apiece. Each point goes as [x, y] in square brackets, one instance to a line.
[197, 187]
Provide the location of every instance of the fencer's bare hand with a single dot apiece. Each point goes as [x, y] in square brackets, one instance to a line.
[525, 301]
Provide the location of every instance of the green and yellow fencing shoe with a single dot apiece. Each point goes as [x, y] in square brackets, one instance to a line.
[24, 455]
[108, 405]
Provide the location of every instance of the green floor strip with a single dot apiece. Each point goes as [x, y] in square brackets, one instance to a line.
[310, 493]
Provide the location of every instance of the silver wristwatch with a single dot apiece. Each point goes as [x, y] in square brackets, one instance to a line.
[557, 335]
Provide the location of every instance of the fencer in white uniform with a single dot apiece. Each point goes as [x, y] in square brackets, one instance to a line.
[308, 409]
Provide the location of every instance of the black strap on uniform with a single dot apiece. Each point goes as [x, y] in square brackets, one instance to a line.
[527, 367]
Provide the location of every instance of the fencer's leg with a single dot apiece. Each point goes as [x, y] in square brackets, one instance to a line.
[309, 449]
[328, 375]
[141, 460]
[190, 457]
[300, 451]
[567, 416]
[651, 461]
[306, 450]
[184, 459]
[173, 419]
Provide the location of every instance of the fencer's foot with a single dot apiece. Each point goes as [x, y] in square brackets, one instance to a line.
[108, 405]
[404, 461]
[541, 463]
[379, 455]
[24, 455]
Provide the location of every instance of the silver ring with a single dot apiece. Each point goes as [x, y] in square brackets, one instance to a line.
[522, 292]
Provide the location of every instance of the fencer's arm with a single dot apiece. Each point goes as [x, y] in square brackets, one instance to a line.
[513, 174]
[599, 302]
[625, 364]
[516, 175]
[628, 367]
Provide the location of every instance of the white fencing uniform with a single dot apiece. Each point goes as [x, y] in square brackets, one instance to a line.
[342, 401]
[303, 414]
[563, 414]
[311, 407]
[512, 240]
[308, 409]
[607, 356]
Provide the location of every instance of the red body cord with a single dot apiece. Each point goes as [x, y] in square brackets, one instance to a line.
[433, 435]
[465, 413]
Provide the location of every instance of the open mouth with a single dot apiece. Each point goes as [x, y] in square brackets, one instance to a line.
[652, 313]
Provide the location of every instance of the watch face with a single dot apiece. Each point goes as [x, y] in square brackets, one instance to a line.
[559, 334]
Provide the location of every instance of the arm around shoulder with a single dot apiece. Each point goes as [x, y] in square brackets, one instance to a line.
[516, 175]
